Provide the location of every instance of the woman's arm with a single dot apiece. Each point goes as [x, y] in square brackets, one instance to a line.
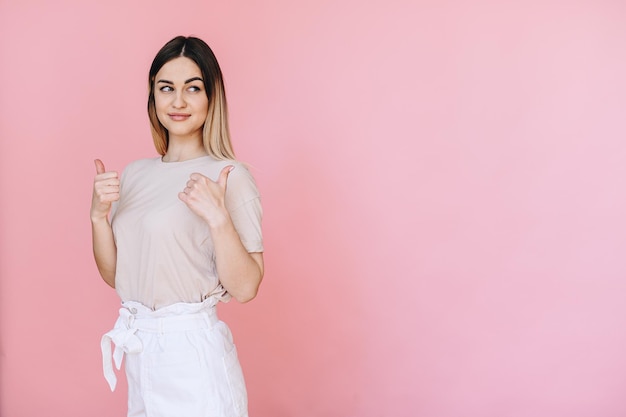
[106, 189]
[239, 272]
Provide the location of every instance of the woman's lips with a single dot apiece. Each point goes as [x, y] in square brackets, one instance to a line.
[179, 117]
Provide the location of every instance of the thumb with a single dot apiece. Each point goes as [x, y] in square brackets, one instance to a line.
[224, 175]
[99, 167]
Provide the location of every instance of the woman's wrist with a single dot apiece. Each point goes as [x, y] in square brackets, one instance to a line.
[219, 221]
[99, 219]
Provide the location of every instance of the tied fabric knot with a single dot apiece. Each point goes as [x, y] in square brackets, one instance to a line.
[125, 341]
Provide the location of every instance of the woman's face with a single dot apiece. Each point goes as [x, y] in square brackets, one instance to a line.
[180, 99]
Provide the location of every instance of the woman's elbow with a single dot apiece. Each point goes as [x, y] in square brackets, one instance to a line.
[245, 298]
[108, 277]
[247, 294]
[249, 291]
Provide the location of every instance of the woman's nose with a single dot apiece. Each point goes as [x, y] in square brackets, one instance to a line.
[179, 100]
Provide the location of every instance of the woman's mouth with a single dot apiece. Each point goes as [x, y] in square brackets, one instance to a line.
[179, 117]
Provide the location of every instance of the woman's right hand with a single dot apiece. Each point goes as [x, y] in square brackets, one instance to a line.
[106, 189]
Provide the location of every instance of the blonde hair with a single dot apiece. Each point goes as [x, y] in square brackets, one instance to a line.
[215, 133]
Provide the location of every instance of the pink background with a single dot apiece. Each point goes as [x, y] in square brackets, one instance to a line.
[443, 186]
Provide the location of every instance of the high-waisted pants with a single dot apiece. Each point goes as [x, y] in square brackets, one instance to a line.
[180, 361]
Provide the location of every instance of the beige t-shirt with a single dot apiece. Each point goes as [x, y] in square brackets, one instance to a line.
[165, 253]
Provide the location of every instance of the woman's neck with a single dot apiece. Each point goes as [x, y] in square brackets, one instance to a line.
[182, 151]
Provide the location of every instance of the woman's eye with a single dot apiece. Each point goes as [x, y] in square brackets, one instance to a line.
[194, 88]
[166, 88]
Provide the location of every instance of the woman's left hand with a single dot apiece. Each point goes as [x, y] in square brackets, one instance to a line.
[206, 198]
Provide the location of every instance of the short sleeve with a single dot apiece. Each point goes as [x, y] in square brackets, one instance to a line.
[244, 206]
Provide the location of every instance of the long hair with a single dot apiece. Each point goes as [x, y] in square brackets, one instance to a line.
[215, 133]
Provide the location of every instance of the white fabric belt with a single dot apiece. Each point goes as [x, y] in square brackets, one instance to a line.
[130, 321]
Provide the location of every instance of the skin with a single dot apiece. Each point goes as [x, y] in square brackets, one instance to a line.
[181, 104]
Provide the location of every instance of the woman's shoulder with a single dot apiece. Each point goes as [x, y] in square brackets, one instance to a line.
[241, 184]
[240, 172]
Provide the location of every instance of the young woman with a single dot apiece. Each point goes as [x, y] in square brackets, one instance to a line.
[184, 234]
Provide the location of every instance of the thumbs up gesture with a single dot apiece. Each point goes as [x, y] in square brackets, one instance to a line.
[106, 189]
[206, 198]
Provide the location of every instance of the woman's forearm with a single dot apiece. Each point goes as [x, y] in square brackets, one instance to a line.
[239, 272]
[104, 250]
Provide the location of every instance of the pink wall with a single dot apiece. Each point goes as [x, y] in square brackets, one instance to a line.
[443, 186]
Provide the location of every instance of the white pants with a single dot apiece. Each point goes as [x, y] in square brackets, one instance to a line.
[180, 361]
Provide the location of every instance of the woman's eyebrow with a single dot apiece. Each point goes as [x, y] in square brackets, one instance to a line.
[186, 81]
[193, 79]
